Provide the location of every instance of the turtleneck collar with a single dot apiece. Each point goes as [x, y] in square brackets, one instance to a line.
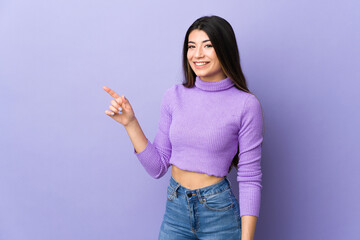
[213, 86]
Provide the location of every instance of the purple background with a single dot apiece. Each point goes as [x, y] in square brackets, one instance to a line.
[67, 170]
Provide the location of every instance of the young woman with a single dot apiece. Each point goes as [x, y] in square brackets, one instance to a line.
[208, 124]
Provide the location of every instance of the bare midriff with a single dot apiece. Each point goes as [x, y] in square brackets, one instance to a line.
[193, 180]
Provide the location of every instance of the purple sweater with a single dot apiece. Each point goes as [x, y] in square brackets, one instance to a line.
[200, 130]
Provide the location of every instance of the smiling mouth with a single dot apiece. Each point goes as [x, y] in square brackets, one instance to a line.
[200, 63]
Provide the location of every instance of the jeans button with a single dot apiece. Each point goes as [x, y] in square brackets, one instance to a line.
[189, 194]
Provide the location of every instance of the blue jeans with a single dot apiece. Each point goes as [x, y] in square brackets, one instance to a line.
[210, 213]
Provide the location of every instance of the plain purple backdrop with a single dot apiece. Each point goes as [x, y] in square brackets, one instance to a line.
[67, 170]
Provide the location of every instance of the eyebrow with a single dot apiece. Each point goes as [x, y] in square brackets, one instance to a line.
[202, 41]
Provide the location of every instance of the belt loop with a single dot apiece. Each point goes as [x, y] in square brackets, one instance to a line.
[175, 190]
[200, 197]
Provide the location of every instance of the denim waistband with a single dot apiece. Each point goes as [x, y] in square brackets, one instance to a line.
[176, 187]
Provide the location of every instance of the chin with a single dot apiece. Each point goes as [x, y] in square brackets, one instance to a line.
[202, 75]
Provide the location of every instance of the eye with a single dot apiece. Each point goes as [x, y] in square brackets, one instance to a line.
[208, 45]
[190, 46]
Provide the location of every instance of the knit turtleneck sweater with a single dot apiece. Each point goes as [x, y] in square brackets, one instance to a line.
[200, 130]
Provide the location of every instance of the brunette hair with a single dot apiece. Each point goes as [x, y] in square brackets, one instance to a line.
[223, 40]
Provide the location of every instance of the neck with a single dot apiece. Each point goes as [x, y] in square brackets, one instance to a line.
[215, 77]
[214, 86]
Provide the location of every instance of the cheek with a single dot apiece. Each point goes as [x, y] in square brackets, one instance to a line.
[216, 61]
[214, 57]
[189, 56]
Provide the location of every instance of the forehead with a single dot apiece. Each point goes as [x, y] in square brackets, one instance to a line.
[198, 36]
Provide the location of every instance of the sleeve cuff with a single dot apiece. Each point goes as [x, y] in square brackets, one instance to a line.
[143, 152]
[151, 160]
[249, 202]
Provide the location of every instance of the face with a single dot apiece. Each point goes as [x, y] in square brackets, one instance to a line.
[202, 57]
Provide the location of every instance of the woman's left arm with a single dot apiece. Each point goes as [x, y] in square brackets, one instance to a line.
[248, 224]
[249, 173]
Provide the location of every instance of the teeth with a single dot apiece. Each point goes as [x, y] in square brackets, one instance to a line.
[199, 64]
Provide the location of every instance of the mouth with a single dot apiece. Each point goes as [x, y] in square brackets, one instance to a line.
[200, 63]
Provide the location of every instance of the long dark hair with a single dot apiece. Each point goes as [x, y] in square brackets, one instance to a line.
[223, 39]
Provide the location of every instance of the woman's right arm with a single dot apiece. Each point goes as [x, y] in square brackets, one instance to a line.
[153, 156]
[136, 135]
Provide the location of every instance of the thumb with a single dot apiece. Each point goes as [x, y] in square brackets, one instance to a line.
[125, 101]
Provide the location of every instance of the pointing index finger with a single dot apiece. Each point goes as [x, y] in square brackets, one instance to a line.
[111, 92]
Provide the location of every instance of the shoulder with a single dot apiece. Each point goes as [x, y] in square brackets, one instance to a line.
[170, 94]
[242, 99]
[252, 107]
[252, 101]
[174, 87]
[174, 90]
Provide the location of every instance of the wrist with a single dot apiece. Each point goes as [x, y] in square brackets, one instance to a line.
[131, 123]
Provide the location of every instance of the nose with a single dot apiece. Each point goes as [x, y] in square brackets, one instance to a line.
[199, 52]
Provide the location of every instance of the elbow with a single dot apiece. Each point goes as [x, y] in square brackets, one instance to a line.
[164, 166]
[162, 172]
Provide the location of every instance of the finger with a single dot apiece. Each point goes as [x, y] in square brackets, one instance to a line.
[115, 103]
[111, 92]
[114, 109]
[119, 100]
[109, 113]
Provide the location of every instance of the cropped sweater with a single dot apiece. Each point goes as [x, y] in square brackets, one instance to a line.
[200, 130]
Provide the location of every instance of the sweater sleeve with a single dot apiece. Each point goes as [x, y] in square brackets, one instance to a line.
[249, 175]
[156, 155]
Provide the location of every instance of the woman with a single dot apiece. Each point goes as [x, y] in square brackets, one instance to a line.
[208, 124]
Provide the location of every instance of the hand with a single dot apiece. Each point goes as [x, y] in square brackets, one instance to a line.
[123, 116]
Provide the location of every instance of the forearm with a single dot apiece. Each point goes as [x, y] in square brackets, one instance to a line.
[248, 224]
[136, 135]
